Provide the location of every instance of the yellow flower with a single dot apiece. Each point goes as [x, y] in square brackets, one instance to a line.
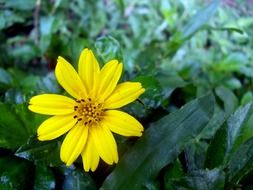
[90, 119]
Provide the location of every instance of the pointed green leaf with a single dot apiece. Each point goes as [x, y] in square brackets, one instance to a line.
[241, 161]
[199, 19]
[160, 145]
[247, 98]
[41, 152]
[240, 127]
[217, 149]
[215, 123]
[228, 98]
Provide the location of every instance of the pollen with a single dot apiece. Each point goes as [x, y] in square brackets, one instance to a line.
[88, 111]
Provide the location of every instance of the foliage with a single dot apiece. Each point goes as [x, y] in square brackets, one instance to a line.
[194, 59]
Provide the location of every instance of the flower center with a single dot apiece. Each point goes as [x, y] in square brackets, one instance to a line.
[88, 111]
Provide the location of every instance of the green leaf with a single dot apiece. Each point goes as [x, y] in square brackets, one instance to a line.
[48, 84]
[169, 83]
[247, 97]
[30, 120]
[14, 173]
[8, 18]
[24, 5]
[174, 172]
[241, 161]
[44, 178]
[215, 123]
[14, 96]
[5, 78]
[195, 153]
[196, 23]
[199, 19]
[160, 145]
[77, 180]
[233, 83]
[204, 180]
[24, 53]
[108, 48]
[240, 127]
[41, 152]
[75, 49]
[233, 62]
[13, 132]
[152, 185]
[230, 101]
[217, 149]
[153, 91]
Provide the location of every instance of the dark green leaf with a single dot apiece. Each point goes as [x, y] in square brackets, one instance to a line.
[14, 174]
[153, 91]
[5, 78]
[241, 161]
[30, 120]
[13, 132]
[44, 178]
[154, 185]
[169, 83]
[204, 180]
[25, 53]
[217, 149]
[174, 172]
[160, 145]
[195, 153]
[215, 123]
[78, 180]
[41, 152]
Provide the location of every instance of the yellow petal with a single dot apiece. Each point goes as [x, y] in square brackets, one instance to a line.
[108, 79]
[69, 79]
[122, 123]
[90, 156]
[55, 127]
[51, 104]
[105, 143]
[73, 144]
[88, 68]
[124, 94]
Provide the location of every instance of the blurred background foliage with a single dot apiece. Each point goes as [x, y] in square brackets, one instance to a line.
[178, 50]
